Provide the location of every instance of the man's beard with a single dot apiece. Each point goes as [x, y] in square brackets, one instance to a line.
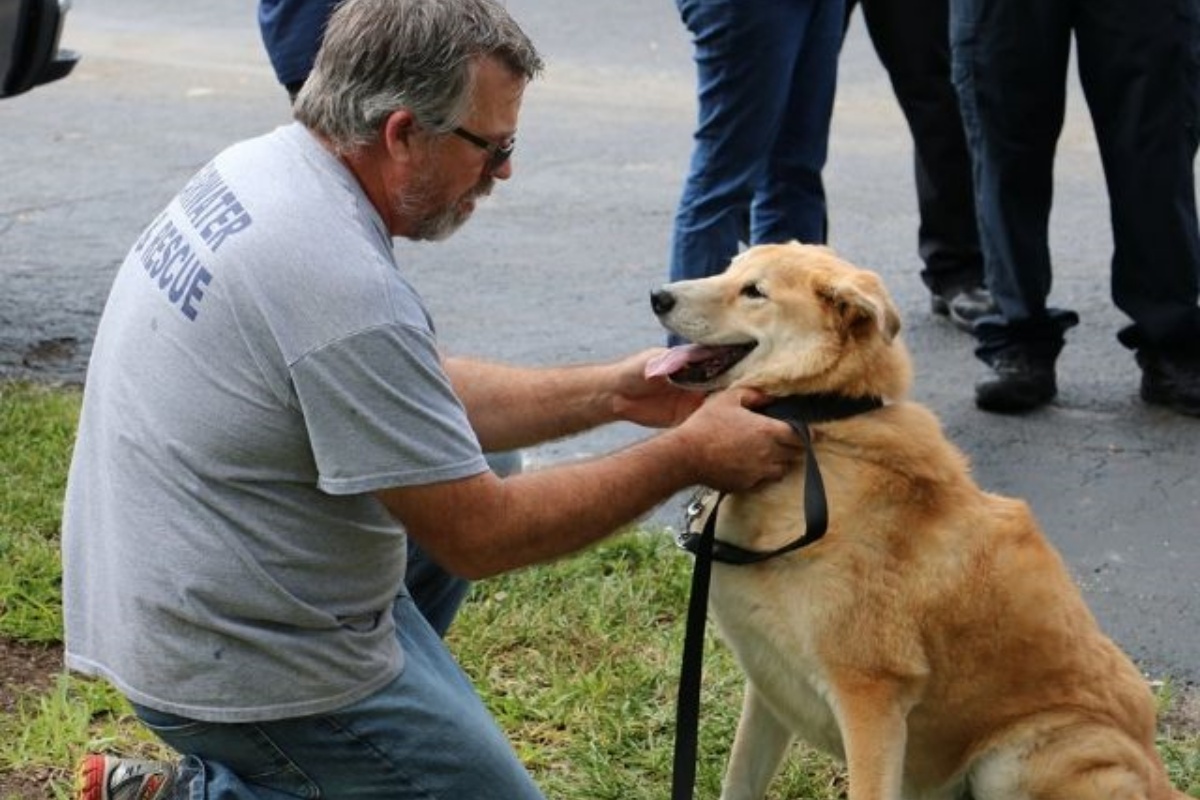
[437, 223]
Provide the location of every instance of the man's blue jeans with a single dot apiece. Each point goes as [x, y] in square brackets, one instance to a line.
[426, 736]
[766, 74]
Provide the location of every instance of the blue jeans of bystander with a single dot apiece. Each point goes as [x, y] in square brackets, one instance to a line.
[766, 74]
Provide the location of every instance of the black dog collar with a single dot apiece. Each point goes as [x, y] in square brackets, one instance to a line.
[799, 411]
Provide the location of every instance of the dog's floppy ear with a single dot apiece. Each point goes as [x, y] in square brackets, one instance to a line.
[860, 299]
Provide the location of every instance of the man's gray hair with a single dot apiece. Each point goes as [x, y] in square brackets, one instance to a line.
[381, 55]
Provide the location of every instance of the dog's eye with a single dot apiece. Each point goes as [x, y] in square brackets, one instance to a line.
[753, 291]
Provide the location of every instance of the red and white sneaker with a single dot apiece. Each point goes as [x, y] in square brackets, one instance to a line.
[110, 778]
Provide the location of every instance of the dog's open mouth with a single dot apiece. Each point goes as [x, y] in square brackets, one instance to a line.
[697, 364]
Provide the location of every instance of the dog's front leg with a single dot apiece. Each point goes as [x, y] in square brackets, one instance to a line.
[758, 749]
[874, 735]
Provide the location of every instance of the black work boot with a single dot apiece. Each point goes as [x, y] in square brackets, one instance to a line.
[1171, 380]
[1022, 381]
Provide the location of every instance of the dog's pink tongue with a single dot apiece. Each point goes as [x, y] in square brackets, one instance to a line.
[676, 359]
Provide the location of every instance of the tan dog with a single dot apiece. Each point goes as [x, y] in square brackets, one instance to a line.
[933, 639]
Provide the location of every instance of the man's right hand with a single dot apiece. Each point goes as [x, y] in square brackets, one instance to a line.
[735, 448]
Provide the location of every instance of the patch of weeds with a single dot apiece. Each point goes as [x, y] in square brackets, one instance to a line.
[37, 431]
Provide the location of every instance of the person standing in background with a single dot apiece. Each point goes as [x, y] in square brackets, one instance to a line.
[912, 40]
[291, 33]
[766, 73]
[1139, 65]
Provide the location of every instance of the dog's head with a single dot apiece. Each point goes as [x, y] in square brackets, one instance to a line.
[786, 319]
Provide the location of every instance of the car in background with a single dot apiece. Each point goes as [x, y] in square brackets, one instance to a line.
[29, 51]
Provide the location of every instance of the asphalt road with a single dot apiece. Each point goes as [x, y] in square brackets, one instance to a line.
[557, 264]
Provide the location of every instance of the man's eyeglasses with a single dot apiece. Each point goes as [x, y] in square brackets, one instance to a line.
[498, 154]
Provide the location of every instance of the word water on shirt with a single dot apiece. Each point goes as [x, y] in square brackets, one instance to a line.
[214, 214]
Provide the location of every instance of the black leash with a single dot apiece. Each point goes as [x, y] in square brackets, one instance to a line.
[799, 411]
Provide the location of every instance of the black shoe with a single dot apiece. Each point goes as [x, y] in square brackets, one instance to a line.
[964, 306]
[1022, 382]
[1171, 380]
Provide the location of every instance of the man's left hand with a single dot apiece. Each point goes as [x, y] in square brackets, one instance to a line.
[653, 402]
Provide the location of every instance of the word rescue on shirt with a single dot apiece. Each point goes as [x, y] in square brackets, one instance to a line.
[214, 214]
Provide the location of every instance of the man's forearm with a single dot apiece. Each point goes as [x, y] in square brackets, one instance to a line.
[499, 525]
[483, 525]
[512, 407]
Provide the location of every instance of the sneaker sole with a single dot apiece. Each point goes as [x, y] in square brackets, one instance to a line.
[1009, 408]
[1009, 404]
[89, 778]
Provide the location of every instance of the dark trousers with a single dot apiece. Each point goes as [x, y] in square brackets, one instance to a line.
[912, 40]
[1138, 65]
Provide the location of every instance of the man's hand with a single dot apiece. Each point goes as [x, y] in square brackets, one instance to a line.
[735, 448]
[653, 402]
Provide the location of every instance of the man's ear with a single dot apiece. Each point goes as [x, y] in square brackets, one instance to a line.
[399, 129]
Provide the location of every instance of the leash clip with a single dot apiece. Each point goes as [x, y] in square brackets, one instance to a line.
[695, 515]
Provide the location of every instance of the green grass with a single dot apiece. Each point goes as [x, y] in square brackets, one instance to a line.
[578, 660]
[49, 732]
[580, 663]
[37, 426]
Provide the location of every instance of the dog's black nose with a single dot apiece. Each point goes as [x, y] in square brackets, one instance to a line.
[661, 301]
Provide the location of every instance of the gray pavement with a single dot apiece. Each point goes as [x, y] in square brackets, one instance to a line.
[557, 264]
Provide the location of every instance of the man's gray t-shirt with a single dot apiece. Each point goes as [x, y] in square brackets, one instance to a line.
[260, 368]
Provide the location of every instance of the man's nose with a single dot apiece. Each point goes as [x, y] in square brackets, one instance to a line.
[504, 171]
